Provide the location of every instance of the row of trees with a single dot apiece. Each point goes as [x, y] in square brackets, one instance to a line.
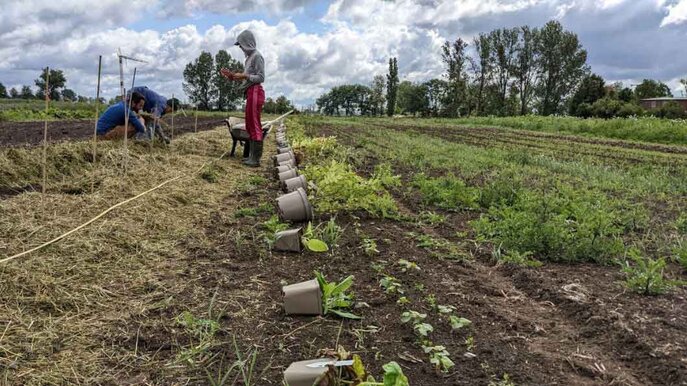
[56, 88]
[514, 71]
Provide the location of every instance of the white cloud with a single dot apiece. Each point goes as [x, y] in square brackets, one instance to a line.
[677, 13]
[356, 39]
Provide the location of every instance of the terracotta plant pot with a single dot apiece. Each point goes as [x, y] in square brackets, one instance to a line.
[295, 206]
[283, 150]
[291, 162]
[287, 175]
[299, 374]
[294, 183]
[304, 298]
[280, 169]
[288, 240]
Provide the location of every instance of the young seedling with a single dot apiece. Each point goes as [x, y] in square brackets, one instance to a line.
[423, 329]
[369, 246]
[407, 265]
[470, 343]
[412, 316]
[272, 226]
[458, 322]
[439, 357]
[309, 240]
[402, 301]
[646, 275]
[391, 285]
[445, 309]
[335, 299]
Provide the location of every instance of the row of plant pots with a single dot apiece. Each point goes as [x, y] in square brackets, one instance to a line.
[303, 298]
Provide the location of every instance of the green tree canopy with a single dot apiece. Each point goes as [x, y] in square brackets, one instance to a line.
[650, 88]
[591, 89]
[198, 81]
[55, 83]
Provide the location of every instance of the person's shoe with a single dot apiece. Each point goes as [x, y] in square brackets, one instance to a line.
[142, 137]
[256, 154]
[246, 151]
[251, 147]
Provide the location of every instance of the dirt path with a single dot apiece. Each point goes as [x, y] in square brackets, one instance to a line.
[31, 133]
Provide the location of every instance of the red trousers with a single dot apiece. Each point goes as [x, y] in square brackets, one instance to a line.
[255, 99]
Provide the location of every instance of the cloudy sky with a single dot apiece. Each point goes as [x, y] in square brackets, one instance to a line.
[311, 45]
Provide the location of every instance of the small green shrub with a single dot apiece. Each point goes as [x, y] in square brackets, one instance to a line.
[445, 192]
[339, 188]
[560, 226]
[336, 298]
[645, 275]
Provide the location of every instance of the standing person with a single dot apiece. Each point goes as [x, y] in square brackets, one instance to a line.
[252, 77]
[111, 122]
[156, 105]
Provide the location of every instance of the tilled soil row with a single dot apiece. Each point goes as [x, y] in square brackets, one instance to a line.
[557, 137]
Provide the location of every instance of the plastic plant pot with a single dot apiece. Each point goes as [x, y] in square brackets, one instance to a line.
[283, 144]
[288, 240]
[283, 157]
[287, 175]
[291, 162]
[295, 206]
[294, 183]
[283, 150]
[299, 374]
[304, 298]
[280, 169]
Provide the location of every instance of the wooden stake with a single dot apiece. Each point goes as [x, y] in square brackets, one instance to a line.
[195, 126]
[126, 113]
[95, 126]
[45, 129]
[173, 112]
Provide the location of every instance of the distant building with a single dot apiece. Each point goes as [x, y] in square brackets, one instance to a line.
[657, 103]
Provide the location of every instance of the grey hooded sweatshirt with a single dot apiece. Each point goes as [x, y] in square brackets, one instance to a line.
[255, 64]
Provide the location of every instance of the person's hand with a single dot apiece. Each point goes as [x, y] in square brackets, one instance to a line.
[226, 73]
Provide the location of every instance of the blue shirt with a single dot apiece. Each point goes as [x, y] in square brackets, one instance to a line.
[114, 116]
[155, 103]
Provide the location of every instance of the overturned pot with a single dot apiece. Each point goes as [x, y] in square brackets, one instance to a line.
[283, 168]
[291, 162]
[295, 206]
[304, 298]
[294, 183]
[287, 175]
[304, 373]
[283, 157]
[283, 150]
[288, 240]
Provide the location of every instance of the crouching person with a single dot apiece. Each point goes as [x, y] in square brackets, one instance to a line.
[111, 122]
[155, 106]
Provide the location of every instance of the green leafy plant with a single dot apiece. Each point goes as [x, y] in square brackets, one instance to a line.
[470, 343]
[211, 173]
[514, 257]
[412, 316]
[680, 254]
[439, 357]
[339, 188]
[431, 218]
[445, 192]
[272, 226]
[330, 233]
[457, 322]
[369, 246]
[645, 275]
[423, 329]
[681, 224]
[407, 265]
[335, 298]
[391, 285]
[402, 301]
[445, 309]
[202, 330]
[309, 240]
